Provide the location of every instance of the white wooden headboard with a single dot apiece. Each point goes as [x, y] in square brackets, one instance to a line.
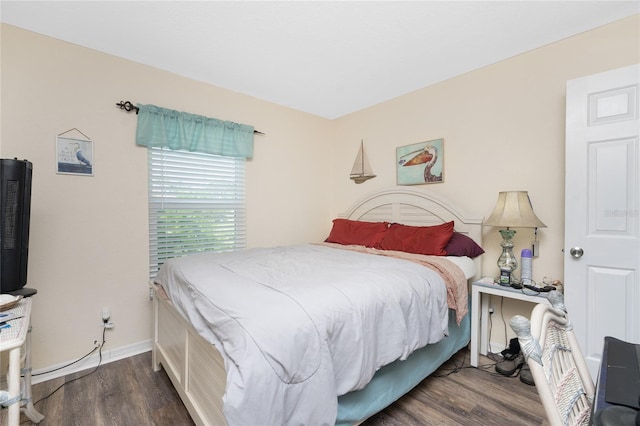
[411, 207]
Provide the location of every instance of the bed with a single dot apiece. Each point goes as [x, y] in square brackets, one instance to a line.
[189, 353]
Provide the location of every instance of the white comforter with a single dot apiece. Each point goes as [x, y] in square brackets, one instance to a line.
[300, 325]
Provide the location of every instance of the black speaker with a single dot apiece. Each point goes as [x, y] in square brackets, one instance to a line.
[15, 212]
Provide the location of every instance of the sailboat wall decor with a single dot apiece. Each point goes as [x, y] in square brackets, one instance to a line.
[361, 170]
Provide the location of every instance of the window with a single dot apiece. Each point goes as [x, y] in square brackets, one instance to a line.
[196, 204]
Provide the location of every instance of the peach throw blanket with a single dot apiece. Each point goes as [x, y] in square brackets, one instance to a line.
[454, 279]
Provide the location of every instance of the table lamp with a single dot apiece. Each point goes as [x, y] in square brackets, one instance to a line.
[513, 209]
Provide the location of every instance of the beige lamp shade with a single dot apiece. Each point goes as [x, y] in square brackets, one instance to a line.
[513, 210]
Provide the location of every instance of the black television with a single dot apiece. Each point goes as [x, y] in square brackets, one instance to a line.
[15, 214]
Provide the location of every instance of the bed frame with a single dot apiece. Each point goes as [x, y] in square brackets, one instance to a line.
[195, 366]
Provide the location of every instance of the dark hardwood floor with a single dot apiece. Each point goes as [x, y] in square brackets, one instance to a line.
[465, 396]
[128, 392]
[125, 392]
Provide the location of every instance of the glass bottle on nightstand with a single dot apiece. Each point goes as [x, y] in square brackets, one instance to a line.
[507, 262]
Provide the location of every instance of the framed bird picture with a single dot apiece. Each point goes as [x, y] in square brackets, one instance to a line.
[420, 163]
[74, 155]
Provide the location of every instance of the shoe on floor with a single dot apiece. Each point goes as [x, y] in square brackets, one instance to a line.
[513, 350]
[510, 366]
[525, 375]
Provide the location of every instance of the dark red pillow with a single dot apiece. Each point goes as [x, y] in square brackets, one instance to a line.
[430, 240]
[462, 245]
[368, 234]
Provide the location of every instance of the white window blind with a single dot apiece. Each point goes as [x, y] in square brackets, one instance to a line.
[196, 204]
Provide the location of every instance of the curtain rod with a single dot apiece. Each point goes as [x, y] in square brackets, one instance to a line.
[128, 106]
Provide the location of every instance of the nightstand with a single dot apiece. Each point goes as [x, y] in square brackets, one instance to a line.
[480, 295]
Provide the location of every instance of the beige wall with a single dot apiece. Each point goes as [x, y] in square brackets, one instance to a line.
[502, 125]
[503, 129]
[88, 245]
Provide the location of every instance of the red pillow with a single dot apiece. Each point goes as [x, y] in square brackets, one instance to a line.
[345, 231]
[430, 240]
[462, 245]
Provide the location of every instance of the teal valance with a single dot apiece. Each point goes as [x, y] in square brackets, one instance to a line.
[162, 127]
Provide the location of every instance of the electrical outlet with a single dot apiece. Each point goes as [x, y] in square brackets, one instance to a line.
[106, 318]
[106, 315]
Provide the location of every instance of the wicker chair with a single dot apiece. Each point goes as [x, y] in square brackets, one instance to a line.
[556, 362]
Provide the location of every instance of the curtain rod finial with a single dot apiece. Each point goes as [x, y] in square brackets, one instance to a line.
[128, 106]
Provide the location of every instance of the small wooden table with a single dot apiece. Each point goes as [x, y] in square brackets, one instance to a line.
[14, 338]
[480, 311]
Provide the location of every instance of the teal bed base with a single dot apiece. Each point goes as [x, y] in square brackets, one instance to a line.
[396, 379]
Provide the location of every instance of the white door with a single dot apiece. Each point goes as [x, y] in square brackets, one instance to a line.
[602, 209]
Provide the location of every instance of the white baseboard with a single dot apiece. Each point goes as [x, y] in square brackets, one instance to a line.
[91, 361]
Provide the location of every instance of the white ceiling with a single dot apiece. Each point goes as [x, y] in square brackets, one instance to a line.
[326, 58]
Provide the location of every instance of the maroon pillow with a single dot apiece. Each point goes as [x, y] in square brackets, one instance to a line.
[368, 234]
[430, 240]
[462, 245]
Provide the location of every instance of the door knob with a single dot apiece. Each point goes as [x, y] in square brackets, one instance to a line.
[576, 252]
